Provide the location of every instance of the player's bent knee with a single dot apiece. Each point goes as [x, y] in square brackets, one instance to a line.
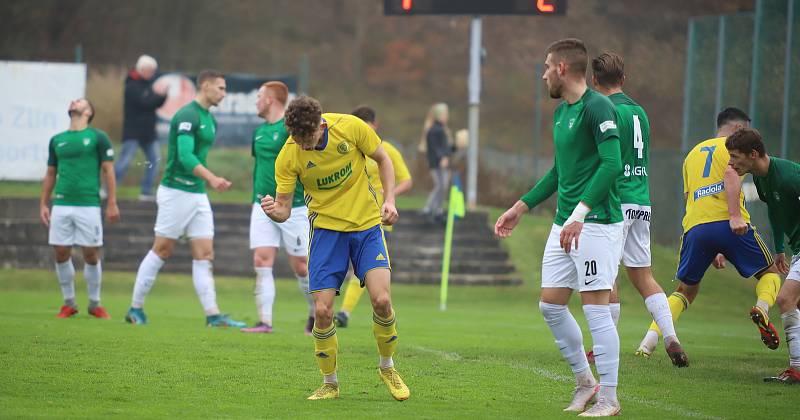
[323, 314]
[689, 291]
[163, 248]
[786, 302]
[552, 312]
[382, 304]
[91, 255]
[63, 253]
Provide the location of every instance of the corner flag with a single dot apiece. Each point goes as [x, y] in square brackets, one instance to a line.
[455, 208]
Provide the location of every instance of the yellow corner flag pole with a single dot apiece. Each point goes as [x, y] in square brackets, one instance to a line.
[455, 209]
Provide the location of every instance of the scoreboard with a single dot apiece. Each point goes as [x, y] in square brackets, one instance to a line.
[474, 7]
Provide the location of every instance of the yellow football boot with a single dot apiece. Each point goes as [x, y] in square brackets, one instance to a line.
[395, 383]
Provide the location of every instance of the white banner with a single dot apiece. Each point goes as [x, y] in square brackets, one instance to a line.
[34, 109]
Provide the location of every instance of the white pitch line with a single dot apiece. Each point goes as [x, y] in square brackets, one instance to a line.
[452, 357]
[553, 376]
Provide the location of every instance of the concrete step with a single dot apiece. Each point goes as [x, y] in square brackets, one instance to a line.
[415, 246]
[417, 277]
[456, 266]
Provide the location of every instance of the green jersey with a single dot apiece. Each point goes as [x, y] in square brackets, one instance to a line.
[634, 144]
[268, 140]
[780, 189]
[191, 135]
[77, 157]
[578, 131]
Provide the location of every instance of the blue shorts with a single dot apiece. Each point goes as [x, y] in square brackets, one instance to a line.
[331, 252]
[701, 244]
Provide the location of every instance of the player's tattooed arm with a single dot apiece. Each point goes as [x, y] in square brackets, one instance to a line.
[277, 208]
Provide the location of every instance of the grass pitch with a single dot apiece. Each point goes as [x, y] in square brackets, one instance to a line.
[489, 355]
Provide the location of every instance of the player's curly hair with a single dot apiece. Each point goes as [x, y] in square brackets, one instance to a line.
[303, 117]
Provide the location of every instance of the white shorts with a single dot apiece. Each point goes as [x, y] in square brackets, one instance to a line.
[76, 225]
[182, 213]
[593, 266]
[293, 233]
[794, 269]
[636, 236]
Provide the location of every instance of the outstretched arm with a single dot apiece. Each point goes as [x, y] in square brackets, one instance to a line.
[543, 189]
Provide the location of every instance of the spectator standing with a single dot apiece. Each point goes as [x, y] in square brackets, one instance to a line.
[139, 125]
[436, 135]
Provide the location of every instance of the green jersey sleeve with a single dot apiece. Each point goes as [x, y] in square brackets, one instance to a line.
[777, 229]
[104, 148]
[544, 188]
[187, 122]
[186, 154]
[52, 159]
[601, 117]
[610, 168]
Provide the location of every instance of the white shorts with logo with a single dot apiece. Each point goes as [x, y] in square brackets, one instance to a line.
[76, 225]
[593, 266]
[636, 236]
[293, 233]
[182, 213]
[794, 269]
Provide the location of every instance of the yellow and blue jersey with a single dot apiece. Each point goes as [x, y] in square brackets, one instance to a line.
[334, 176]
[401, 173]
[704, 186]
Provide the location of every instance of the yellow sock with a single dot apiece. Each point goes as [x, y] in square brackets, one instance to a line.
[767, 288]
[352, 295]
[385, 334]
[326, 346]
[677, 304]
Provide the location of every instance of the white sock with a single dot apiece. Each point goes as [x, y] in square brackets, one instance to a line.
[650, 340]
[331, 379]
[265, 293]
[66, 279]
[791, 324]
[607, 393]
[658, 306]
[763, 305]
[93, 275]
[615, 309]
[585, 378]
[386, 362]
[146, 277]
[204, 286]
[302, 284]
[606, 344]
[567, 334]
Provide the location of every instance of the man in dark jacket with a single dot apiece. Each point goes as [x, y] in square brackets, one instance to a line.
[141, 102]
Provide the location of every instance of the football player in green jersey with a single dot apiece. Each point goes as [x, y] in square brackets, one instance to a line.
[608, 76]
[183, 206]
[778, 184]
[76, 159]
[266, 236]
[586, 168]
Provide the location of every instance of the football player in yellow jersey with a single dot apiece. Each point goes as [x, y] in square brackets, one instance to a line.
[717, 227]
[402, 179]
[328, 153]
